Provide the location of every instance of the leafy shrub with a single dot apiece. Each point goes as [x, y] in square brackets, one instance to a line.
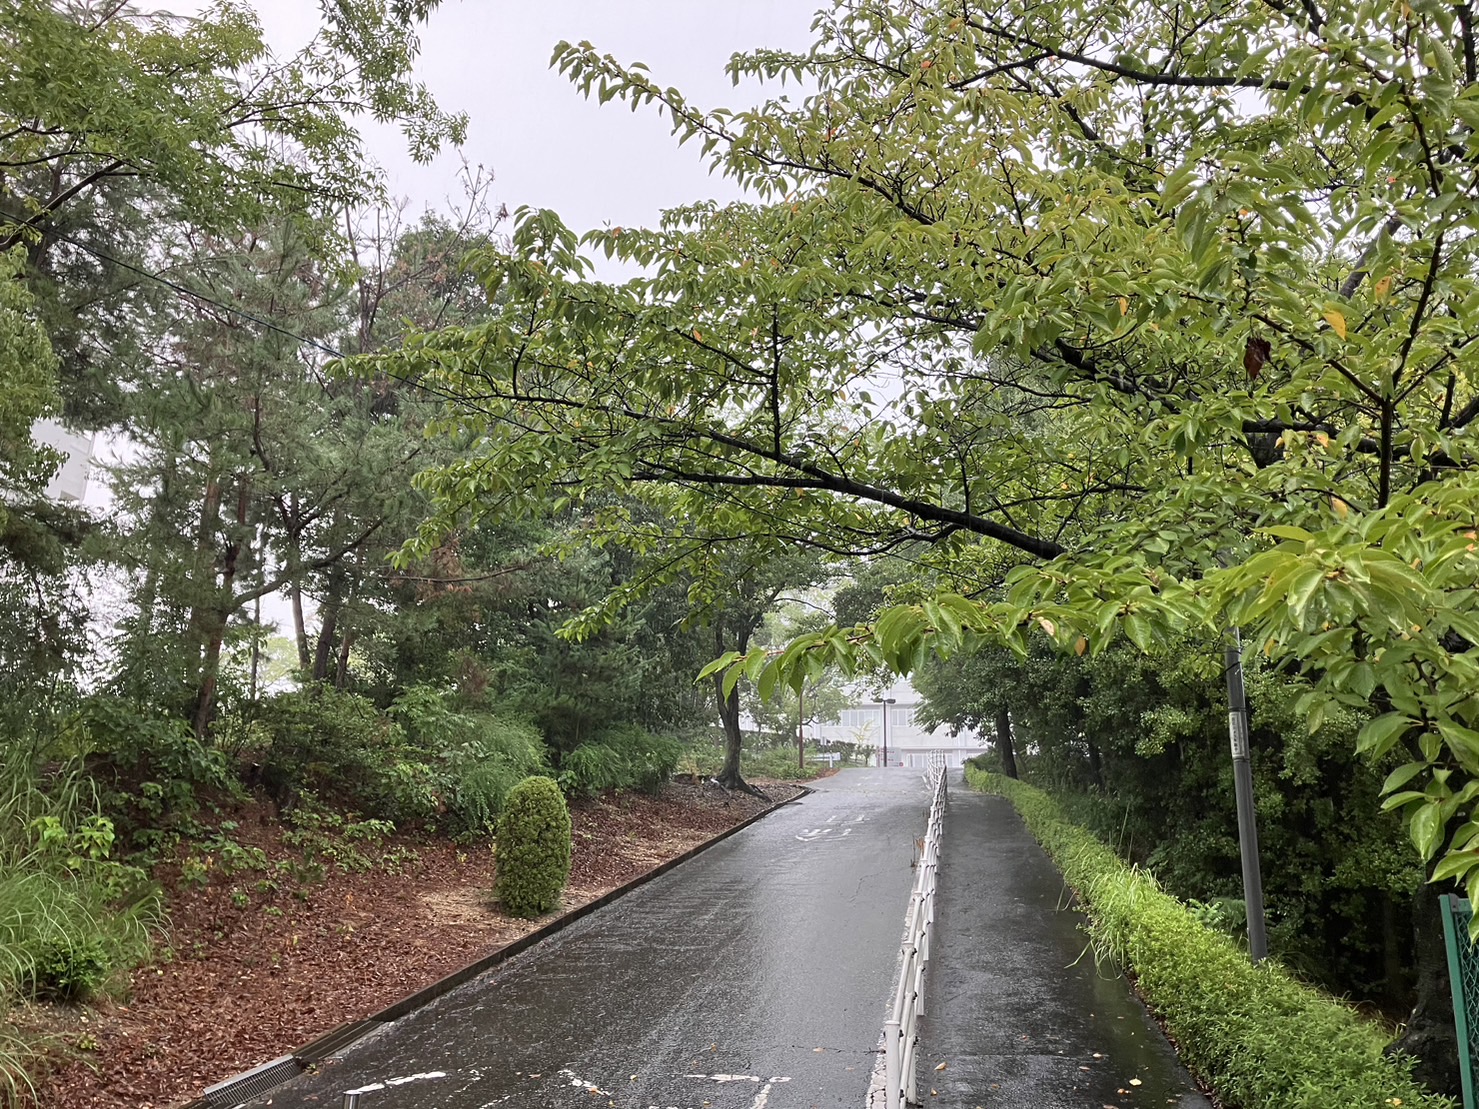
[590, 768]
[324, 838]
[151, 766]
[623, 757]
[341, 746]
[1260, 1038]
[481, 755]
[533, 850]
[70, 969]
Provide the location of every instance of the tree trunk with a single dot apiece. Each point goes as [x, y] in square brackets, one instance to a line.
[1004, 748]
[801, 729]
[341, 671]
[256, 652]
[204, 570]
[292, 527]
[328, 632]
[213, 617]
[300, 629]
[1430, 1037]
[729, 715]
[1397, 983]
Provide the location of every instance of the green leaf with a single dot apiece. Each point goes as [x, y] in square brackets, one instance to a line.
[1425, 827]
[1378, 735]
[1288, 531]
[1402, 775]
[1454, 865]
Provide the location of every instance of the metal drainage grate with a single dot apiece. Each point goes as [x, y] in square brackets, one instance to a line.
[249, 1084]
[333, 1042]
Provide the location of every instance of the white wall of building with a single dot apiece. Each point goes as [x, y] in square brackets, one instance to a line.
[70, 482]
[908, 743]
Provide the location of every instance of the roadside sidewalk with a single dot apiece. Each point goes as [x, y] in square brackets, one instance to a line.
[1014, 1006]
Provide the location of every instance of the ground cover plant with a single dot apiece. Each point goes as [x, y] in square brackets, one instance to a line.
[72, 920]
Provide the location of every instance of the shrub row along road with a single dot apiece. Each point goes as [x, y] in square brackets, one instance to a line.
[754, 976]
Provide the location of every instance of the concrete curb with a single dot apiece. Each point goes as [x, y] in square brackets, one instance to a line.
[232, 1091]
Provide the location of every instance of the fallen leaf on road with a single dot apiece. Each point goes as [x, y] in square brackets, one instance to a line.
[942, 1066]
[1134, 1082]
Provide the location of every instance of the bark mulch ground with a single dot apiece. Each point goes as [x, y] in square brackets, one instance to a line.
[244, 974]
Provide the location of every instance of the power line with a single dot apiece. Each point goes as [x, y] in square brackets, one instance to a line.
[184, 290]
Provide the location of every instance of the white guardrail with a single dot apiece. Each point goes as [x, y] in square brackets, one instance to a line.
[900, 1035]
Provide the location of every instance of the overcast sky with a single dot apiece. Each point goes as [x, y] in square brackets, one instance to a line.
[547, 145]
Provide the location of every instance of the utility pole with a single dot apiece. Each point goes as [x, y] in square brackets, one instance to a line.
[886, 702]
[1237, 727]
[801, 728]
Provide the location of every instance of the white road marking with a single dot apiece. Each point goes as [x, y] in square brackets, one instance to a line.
[762, 1097]
[726, 1077]
[575, 1080]
[740, 1078]
[373, 1086]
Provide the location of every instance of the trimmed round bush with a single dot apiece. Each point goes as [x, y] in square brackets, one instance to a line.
[533, 849]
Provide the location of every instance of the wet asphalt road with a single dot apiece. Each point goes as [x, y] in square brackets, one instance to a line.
[754, 976]
[1015, 1007]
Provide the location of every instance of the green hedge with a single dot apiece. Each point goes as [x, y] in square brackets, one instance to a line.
[533, 848]
[1260, 1038]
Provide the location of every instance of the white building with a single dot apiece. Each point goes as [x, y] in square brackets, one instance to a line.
[69, 483]
[908, 743]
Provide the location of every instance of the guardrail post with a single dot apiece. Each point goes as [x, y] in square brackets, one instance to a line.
[911, 1081]
[351, 1099]
[892, 1063]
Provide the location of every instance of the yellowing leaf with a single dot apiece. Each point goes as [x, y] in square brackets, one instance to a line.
[1047, 625]
[1336, 319]
[1124, 306]
[1081, 646]
[1384, 286]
